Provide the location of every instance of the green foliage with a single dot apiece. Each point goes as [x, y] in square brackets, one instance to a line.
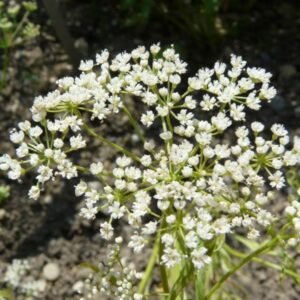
[6, 294]
[29, 6]
[293, 180]
[15, 29]
[194, 17]
[197, 19]
[4, 193]
[90, 266]
[138, 11]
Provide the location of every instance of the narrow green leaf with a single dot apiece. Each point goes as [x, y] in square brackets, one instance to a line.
[90, 266]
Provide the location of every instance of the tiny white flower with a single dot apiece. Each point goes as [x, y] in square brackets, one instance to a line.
[155, 48]
[149, 228]
[96, 168]
[171, 257]
[17, 137]
[175, 79]
[253, 234]
[147, 118]
[163, 111]
[80, 188]
[187, 171]
[137, 243]
[102, 58]
[86, 65]
[279, 130]
[277, 180]
[106, 231]
[58, 143]
[167, 239]
[35, 132]
[123, 161]
[170, 219]
[34, 192]
[257, 126]
[167, 135]
[219, 68]
[199, 258]
[146, 160]
[116, 211]
[149, 145]
[77, 142]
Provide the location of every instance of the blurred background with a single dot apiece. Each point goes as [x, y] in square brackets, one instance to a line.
[45, 40]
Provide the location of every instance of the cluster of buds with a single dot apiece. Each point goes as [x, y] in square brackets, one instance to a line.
[15, 27]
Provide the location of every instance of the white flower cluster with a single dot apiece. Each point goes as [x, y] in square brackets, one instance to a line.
[293, 211]
[190, 186]
[116, 280]
[36, 150]
[16, 276]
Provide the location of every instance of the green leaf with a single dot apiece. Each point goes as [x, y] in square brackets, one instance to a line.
[7, 294]
[5, 24]
[90, 266]
[29, 6]
[252, 245]
[200, 285]
[13, 11]
[4, 191]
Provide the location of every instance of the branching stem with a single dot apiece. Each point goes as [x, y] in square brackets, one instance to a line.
[244, 261]
[134, 124]
[112, 144]
[148, 272]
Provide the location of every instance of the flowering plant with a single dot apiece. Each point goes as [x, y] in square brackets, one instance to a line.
[191, 193]
[15, 277]
[15, 29]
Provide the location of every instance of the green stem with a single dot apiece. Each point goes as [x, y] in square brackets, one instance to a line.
[264, 263]
[185, 94]
[169, 123]
[200, 284]
[134, 124]
[113, 145]
[164, 279]
[147, 275]
[183, 279]
[185, 270]
[20, 25]
[167, 143]
[162, 268]
[4, 68]
[244, 261]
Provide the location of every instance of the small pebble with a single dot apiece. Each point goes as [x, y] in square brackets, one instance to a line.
[48, 199]
[2, 214]
[82, 45]
[78, 286]
[51, 271]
